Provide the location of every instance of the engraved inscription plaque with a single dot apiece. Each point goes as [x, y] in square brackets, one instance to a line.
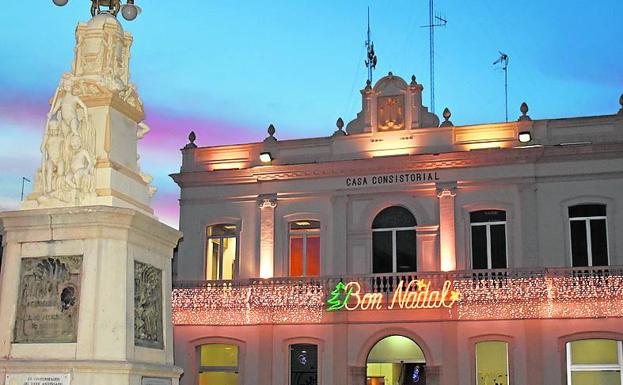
[147, 306]
[48, 300]
[155, 381]
[37, 379]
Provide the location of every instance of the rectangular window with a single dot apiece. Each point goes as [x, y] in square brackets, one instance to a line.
[492, 363]
[218, 364]
[594, 361]
[221, 251]
[589, 235]
[304, 248]
[488, 232]
[303, 364]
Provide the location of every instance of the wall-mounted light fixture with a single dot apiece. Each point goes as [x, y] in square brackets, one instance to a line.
[266, 157]
[524, 136]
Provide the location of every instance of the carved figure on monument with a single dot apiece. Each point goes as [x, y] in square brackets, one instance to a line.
[147, 306]
[66, 175]
[80, 174]
[68, 105]
[52, 166]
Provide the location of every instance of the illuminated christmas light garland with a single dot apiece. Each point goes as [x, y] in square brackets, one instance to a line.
[535, 295]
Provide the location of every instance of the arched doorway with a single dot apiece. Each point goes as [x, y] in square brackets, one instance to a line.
[396, 360]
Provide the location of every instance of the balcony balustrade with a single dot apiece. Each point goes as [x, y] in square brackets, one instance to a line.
[534, 293]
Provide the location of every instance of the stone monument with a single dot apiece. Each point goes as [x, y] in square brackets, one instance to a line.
[85, 283]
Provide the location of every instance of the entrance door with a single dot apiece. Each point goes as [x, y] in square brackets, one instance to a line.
[396, 360]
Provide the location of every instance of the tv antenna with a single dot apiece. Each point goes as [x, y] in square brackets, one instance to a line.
[503, 61]
[371, 56]
[433, 22]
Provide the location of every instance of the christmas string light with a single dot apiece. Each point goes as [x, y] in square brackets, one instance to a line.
[539, 294]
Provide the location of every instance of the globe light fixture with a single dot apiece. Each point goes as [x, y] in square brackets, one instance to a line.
[129, 11]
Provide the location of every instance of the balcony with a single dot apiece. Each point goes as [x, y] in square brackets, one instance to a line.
[543, 293]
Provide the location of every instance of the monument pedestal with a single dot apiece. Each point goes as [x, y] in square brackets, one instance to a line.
[85, 297]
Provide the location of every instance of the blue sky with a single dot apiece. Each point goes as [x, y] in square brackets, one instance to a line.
[229, 69]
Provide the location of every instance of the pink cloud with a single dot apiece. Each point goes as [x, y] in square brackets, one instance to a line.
[171, 130]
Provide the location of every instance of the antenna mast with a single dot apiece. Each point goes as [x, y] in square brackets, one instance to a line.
[371, 57]
[503, 60]
[433, 21]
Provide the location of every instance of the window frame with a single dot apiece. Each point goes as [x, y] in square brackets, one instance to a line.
[318, 365]
[587, 224]
[304, 233]
[570, 367]
[508, 358]
[207, 238]
[207, 369]
[487, 226]
[393, 230]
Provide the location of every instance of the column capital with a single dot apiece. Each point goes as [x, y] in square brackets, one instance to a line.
[267, 200]
[445, 189]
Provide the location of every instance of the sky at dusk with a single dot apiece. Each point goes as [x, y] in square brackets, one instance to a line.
[229, 69]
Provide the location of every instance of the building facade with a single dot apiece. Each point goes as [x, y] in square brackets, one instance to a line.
[402, 250]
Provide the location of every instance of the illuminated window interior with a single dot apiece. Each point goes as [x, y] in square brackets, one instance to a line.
[488, 239]
[589, 238]
[396, 360]
[492, 363]
[595, 361]
[394, 241]
[218, 364]
[221, 251]
[304, 248]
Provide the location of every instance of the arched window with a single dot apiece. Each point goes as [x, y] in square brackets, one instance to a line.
[304, 248]
[594, 361]
[303, 364]
[488, 239]
[492, 363]
[221, 251]
[394, 241]
[589, 235]
[218, 364]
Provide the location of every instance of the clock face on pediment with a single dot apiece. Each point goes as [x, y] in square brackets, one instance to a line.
[391, 113]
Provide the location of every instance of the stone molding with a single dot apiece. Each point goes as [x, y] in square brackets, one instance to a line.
[488, 157]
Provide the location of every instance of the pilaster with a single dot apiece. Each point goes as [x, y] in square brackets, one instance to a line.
[447, 231]
[267, 204]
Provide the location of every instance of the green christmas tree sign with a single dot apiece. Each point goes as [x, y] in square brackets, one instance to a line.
[336, 301]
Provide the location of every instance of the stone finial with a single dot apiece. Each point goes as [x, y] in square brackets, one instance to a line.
[340, 125]
[524, 112]
[446, 115]
[621, 103]
[191, 141]
[271, 133]
[413, 82]
[368, 85]
[390, 74]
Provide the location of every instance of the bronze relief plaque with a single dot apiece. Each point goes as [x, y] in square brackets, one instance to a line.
[147, 306]
[390, 113]
[48, 300]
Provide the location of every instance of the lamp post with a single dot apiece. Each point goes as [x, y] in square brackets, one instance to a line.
[129, 11]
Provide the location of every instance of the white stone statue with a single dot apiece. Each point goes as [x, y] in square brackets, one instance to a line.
[53, 164]
[79, 177]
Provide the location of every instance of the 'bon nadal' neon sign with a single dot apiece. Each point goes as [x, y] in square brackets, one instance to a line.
[414, 295]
